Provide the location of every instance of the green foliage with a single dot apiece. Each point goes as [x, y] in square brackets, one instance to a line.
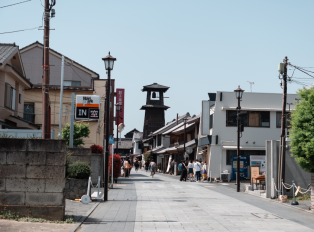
[5, 135]
[302, 130]
[80, 131]
[147, 156]
[9, 215]
[79, 170]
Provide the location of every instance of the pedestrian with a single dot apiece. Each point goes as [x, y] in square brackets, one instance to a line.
[204, 172]
[126, 168]
[197, 167]
[136, 165]
[122, 166]
[183, 171]
[190, 167]
[152, 168]
[146, 165]
[172, 167]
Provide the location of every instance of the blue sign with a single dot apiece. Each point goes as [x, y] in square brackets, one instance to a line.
[111, 140]
[243, 167]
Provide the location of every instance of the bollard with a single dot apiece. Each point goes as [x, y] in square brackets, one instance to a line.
[210, 176]
[294, 202]
[273, 190]
[281, 187]
[98, 184]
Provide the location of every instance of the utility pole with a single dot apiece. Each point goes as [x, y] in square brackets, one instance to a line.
[45, 86]
[283, 122]
[61, 97]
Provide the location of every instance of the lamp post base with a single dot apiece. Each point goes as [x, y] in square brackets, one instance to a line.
[294, 203]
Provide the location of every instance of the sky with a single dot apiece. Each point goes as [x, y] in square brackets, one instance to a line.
[193, 47]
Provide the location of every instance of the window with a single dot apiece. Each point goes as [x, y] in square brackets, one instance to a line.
[249, 118]
[29, 113]
[20, 98]
[230, 153]
[71, 83]
[211, 121]
[9, 99]
[159, 140]
[278, 120]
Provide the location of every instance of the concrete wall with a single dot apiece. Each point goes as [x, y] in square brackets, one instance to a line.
[93, 159]
[32, 177]
[75, 188]
[293, 171]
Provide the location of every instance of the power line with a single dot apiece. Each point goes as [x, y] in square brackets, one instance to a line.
[21, 30]
[15, 4]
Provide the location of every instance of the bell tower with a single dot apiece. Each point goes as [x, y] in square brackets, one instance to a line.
[154, 108]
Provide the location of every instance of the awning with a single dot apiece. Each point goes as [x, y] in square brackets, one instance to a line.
[181, 129]
[156, 149]
[243, 148]
[191, 144]
[162, 151]
[202, 152]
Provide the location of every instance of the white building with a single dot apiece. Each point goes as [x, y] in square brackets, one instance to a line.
[261, 116]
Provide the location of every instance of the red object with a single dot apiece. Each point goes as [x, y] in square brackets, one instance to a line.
[116, 165]
[97, 149]
[120, 99]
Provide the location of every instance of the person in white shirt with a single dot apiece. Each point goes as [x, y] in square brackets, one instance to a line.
[204, 172]
[190, 167]
[197, 167]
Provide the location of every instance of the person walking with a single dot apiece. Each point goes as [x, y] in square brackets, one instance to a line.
[183, 171]
[190, 167]
[197, 167]
[136, 165]
[171, 167]
[146, 165]
[152, 168]
[204, 172]
[126, 168]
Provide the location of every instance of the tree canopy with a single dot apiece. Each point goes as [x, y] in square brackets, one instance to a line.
[302, 130]
[80, 131]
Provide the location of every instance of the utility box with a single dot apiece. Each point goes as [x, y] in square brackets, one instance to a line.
[281, 68]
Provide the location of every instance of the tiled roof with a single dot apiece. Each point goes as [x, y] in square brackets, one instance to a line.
[194, 119]
[155, 86]
[173, 128]
[181, 129]
[6, 50]
[172, 123]
[191, 143]
[156, 149]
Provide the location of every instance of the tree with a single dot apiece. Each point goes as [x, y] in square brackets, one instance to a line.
[302, 133]
[80, 131]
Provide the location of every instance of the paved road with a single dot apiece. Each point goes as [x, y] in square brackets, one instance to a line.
[162, 204]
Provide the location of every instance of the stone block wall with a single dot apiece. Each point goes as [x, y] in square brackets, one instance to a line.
[93, 159]
[32, 177]
[75, 188]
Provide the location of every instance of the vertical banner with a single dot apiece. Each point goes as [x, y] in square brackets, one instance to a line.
[120, 100]
[205, 117]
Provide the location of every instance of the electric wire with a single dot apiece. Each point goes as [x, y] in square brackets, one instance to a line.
[15, 4]
[21, 30]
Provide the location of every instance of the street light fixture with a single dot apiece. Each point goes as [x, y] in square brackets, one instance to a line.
[184, 120]
[109, 61]
[118, 107]
[239, 94]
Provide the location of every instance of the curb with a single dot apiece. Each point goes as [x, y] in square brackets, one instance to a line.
[276, 202]
[79, 223]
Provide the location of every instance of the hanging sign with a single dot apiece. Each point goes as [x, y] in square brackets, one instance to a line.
[87, 107]
[111, 140]
[120, 100]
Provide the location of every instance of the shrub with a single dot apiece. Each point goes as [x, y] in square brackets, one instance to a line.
[96, 149]
[116, 165]
[79, 170]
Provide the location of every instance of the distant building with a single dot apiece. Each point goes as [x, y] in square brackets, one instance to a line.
[77, 78]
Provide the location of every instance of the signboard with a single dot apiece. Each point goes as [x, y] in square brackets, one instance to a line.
[87, 107]
[258, 161]
[243, 167]
[111, 140]
[205, 117]
[120, 100]
[254, 172]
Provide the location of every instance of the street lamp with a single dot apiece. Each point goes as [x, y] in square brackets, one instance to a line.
[239, 94]
[108, 60]
[118, 107]
[184, 120]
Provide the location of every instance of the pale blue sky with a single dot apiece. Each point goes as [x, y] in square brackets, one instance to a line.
[194, 47]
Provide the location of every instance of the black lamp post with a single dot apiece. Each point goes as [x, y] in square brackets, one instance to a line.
[239, 93]
[108, 60]
[184, 120]
[118, 107]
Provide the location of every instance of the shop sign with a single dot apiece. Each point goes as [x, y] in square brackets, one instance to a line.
[87, 107]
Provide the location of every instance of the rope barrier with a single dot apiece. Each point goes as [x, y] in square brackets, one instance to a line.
[299, 189]
[286, 187]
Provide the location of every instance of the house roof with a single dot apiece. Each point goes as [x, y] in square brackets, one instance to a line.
[194, 119]
[181, 129]
[155, 86]
[156, 149]
[171, 124]
[11, 52]
[70, 88]
[132, 131]
[78, 65]
[173, 128]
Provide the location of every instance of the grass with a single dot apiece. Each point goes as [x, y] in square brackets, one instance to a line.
[302, 197]
[13, 216]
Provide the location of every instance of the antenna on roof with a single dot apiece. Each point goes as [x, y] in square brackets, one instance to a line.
[251, 83]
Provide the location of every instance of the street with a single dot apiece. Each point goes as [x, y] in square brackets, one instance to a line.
[163, 203]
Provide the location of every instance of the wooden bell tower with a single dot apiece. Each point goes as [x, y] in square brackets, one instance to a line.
[154, 108]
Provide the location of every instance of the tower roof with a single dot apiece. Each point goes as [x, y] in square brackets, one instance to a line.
[156, 87]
